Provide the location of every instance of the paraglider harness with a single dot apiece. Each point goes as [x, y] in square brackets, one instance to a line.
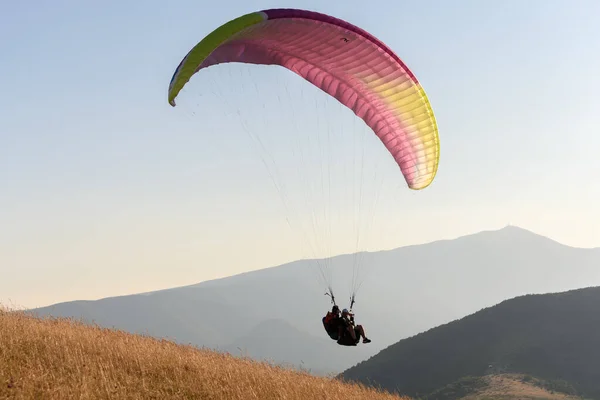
[333, 331]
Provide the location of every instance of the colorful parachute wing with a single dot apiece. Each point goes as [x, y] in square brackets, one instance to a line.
[342, 60]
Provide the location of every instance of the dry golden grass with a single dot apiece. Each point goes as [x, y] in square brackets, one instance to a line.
[65, 359]
[509, 386]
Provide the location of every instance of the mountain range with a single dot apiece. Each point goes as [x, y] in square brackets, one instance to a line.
[275, 313]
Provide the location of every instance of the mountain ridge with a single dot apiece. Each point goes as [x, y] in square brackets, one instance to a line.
[511, 228]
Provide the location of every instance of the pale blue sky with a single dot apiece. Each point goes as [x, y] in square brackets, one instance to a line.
[107, 190]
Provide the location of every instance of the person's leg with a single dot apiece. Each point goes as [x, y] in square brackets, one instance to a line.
[361, 332]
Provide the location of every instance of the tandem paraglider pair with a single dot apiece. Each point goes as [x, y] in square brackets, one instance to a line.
[342, 329]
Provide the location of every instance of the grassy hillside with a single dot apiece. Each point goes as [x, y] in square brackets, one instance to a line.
[63, 359]
[553, 337]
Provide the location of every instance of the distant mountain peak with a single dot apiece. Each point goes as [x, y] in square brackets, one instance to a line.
[509, 228]
[511, 232]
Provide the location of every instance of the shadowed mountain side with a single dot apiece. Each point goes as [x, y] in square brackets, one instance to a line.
[279, 342]
[405, 291]
[550, 336]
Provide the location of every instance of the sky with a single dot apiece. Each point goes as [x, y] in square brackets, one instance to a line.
[108, 190]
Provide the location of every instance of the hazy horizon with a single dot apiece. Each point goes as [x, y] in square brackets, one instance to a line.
[107, 190]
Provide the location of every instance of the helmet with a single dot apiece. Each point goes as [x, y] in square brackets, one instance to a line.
[345, 311]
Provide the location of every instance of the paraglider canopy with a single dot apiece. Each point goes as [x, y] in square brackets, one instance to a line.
[344, 61]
